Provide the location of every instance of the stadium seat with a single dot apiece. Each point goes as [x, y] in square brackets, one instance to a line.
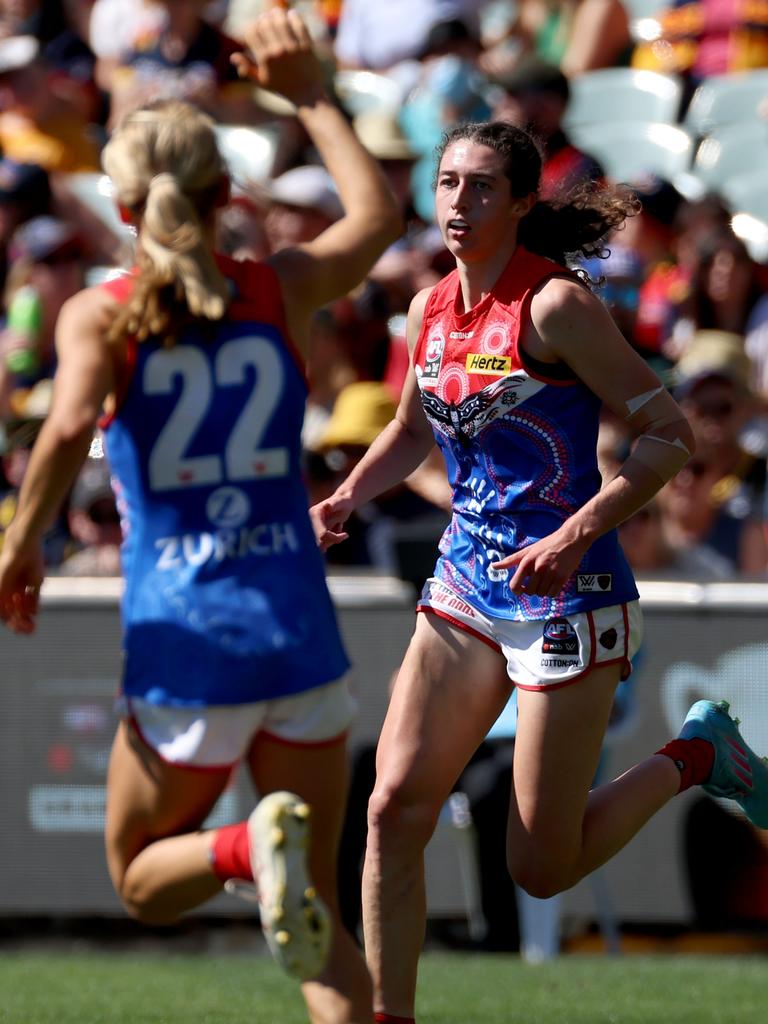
[360, 91]
[628, 150]
[747, 193]
[622, 94]
[248, 152]
[729, 152]
[727, 99]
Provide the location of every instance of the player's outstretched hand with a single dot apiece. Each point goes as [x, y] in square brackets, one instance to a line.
[328, 518]
[280, 56]
[21, 574]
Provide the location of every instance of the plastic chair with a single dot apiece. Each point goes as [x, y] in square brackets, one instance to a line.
[727, 99]
[747, 193]
[622, 94]
[630, 150]
[728, 152]
[361, 91]
[248, 152]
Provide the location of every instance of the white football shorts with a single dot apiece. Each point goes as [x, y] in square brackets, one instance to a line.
[544, 654]
[219, 736]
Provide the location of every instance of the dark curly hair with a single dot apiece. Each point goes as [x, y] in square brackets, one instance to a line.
[572, 224]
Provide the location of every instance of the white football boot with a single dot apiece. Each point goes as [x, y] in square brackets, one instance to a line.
[296, 923]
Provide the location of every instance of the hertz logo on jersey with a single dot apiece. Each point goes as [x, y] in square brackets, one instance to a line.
[478, 362]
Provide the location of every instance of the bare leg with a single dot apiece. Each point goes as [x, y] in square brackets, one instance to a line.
[342, 994]
[158, 861]
[558, 830]
[449, 691]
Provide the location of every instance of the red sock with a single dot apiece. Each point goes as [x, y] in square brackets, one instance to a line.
[694, 759]
[388, 1018]
[230, 857]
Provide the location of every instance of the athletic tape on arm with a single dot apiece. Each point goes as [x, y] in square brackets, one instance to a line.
[656, 418]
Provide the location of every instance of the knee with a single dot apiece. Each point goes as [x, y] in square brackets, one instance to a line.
[395, 819]
[142, 905]
[540, 877]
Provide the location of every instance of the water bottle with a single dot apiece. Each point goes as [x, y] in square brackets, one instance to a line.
[25, 316]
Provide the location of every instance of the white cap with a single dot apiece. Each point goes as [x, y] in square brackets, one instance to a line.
[17, 52]
[310, 187]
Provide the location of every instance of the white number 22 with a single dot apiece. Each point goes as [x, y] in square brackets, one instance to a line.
[170, 467]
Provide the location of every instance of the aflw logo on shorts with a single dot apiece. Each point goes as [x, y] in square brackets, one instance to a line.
[478, 362]
[591, 583]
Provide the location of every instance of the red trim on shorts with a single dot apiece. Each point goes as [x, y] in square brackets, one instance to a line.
[459, 625]
[626, 672]
[314, 744]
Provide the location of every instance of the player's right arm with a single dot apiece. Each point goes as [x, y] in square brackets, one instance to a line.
[399, 449]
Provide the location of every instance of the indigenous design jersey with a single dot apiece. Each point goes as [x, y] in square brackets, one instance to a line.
[519, 447]
[225, 600]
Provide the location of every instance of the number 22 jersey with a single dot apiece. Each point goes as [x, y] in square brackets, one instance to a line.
[519, 439]
[225, 599]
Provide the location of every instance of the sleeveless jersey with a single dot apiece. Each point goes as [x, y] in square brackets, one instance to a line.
[519, 446]
[225, 599]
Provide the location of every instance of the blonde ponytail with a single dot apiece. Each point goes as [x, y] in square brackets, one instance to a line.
[166, 168]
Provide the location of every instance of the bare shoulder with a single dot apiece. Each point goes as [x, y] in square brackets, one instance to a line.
[416, 315]
[559, 299]
[91, 304]
[88, 313]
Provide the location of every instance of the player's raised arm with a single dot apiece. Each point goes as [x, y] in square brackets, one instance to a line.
[281, 57]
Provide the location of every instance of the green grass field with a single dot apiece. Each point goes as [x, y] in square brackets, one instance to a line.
[118, 988]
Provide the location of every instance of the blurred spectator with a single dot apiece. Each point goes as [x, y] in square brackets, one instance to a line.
[706, 37]
[25, 192]
[534, 96]
[20, 17]
[37, 123]
[46, 269]
[725, 287]
[617, 284]
[94, 524]
[241, 231]
[18, 432]
[350, 342]
[643, 542]
[666, 237]
[303, 202]
[713, 509]
[399, 516]
[450, 89]
[405, 267]
[65, 39]
[575, 35]
[181, 55]
[112, 27]
[371, 35]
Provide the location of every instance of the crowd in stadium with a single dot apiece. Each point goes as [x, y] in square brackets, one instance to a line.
[687, 290]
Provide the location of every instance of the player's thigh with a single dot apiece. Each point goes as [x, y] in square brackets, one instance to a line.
[149, 799]
[450, 689]
[559, 737]
[318, 773]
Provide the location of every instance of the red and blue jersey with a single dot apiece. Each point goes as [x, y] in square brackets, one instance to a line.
[519, 439]
[225, 599]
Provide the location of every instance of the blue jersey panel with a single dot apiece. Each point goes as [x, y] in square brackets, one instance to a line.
[226, 600]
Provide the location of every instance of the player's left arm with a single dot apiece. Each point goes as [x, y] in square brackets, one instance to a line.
[84, 378]
[573, 326]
